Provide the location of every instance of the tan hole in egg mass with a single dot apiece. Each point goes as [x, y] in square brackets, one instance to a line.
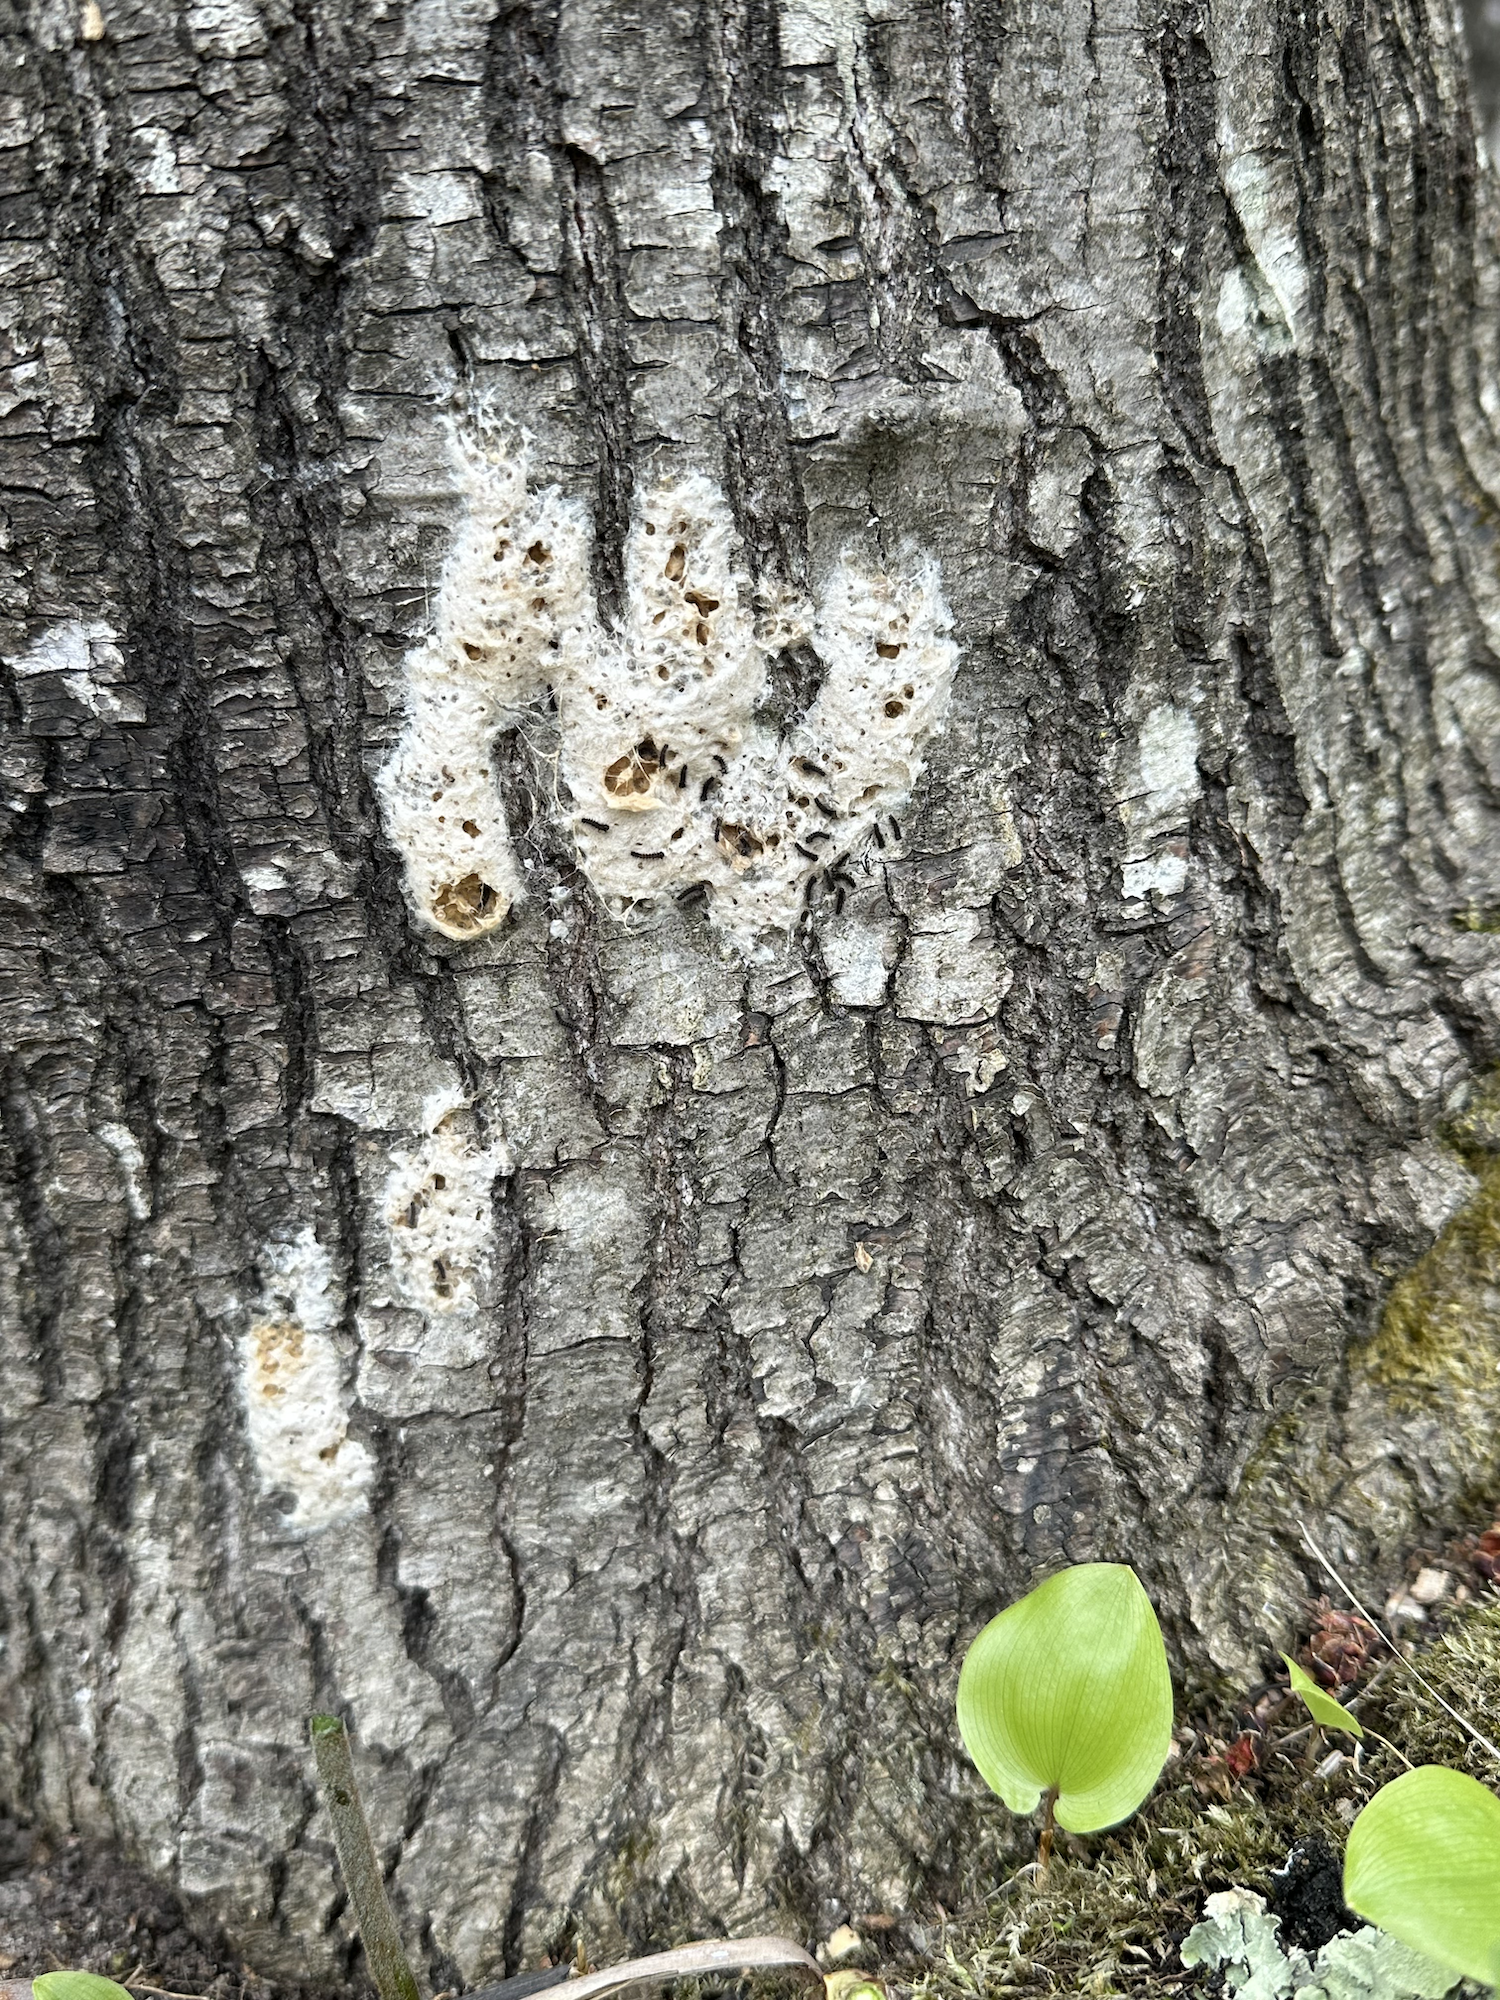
[887, 652]
[739, 843]
[466, 905]
[630, 776]
[676, 563]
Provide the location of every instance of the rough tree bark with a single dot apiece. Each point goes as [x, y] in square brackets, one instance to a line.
[621, 1352]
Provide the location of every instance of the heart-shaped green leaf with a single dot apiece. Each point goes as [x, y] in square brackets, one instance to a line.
[1323, 1707]
[1423, 1862]
[1069, 1690]
[76, 1986]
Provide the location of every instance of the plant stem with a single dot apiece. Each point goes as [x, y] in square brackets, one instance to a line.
[1396, 1750]
[1044, 1851]
[389, 1966]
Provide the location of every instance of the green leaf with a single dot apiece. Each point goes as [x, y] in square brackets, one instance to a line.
[1423, 1862]
[76, 1986]
[1332, 1714]
[1069, 1689]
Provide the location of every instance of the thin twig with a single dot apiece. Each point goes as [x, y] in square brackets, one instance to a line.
[389, 1966]
[1380, 1632]
[1049, 1823]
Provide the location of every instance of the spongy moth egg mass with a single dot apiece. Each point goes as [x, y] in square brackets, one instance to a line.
[661, 711]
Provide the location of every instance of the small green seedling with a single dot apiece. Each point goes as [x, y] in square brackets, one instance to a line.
[1322, 1707]
[1331, 1714]
[76, 1986]
[1423, 1862]
[1065, 1700]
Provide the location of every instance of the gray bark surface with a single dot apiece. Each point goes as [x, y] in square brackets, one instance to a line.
[1022, 1204]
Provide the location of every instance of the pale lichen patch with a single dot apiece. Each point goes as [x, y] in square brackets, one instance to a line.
[1238, 1935]
[88, 659]
[123, 1143]
[1158, 794]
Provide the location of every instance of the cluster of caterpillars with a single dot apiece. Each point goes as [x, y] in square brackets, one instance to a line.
[669, 778]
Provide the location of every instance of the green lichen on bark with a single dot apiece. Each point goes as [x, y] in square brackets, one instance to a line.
[1439, 1335]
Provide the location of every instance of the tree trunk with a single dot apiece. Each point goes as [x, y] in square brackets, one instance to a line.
[751, 845]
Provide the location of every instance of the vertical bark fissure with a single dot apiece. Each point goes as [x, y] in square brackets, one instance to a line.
[592, 271]
[747, 119]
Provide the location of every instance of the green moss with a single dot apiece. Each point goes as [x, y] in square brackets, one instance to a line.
[1441, 1330]
[1266, 1466]
[1439, 1336]
[1463, 1665]
[1436, 1347]
[1114, 1908]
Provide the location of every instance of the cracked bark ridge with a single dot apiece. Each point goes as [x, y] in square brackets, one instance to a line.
[1022, 1205]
